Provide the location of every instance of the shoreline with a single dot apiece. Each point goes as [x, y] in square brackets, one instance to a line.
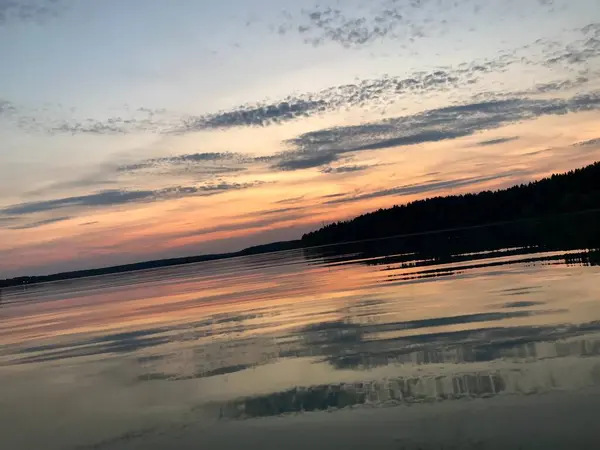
[250, 251]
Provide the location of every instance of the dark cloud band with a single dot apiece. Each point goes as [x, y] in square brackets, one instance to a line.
[117, 197]
[497, 141]
[322, 147]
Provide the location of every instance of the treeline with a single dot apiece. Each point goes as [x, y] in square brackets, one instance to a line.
[27, 280]
[576, 190]
[573, 238]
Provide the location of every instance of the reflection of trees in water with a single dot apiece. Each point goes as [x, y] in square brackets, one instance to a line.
[347, 346]
[351, 343]
[397, 391]
[466, 353]
[562, 233]
[344, 346]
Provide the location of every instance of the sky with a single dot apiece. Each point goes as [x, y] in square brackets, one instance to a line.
[143, 129]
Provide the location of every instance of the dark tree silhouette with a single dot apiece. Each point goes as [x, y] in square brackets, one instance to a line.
[577, 190]
[574, 191]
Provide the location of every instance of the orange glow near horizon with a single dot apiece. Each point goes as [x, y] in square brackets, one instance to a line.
[298, 200]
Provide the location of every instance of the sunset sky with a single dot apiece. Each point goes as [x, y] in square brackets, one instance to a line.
[143, 129]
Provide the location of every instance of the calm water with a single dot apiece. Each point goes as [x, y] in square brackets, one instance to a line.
[491, 343]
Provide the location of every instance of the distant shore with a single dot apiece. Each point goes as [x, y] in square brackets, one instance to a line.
[576, 191]
[145, 265]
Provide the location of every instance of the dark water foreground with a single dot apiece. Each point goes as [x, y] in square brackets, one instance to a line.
[486, 338]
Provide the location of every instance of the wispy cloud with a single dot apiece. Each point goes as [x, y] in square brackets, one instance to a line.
[375, 93]
[420, 188]
[346, 169]
[589, 143]
[99, 199]
[133, 123]
[39, 223]
[117, 197]
[269, 220]
[52, 120]
[369, 93]
[558, 86]
[211, 163]
[359, 25]
[321, 147]
[310, 104]
[497, 141]
[290, 200]
[304, 160]
[320, 25]
[204, 171]
[387, 90]
[100, 179]
[30, 10]
[276, 211]
[256, 115]
[7, 220]
[6, 107]
[578, 52]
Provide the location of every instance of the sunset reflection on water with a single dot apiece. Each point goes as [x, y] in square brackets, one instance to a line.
[291, 333]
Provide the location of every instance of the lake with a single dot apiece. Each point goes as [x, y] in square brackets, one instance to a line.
[486, 338]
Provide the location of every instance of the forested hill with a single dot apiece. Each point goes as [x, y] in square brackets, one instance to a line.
[577, 190]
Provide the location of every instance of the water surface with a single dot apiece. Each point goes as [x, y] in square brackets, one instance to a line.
[419, 342]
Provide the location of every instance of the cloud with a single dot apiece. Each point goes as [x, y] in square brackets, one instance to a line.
[419, 188]
[359, 25]
[199, 162]
[110, 178]
[497, 141]
[98, 179]
[323, 24]
[378, 92]
[386, 90]
[589, 143]
[578, 52]
[39, 223]
[117, 197]
[7, 220]
[338, 195]
[111, 125]
[346, 169]
[291, 200]
[6, 107]
[256, 115]
[142, 120]
[103, 198]
[321, 147]
[30, 10]
[270, 212]
[302, 160]
[558, 86]
[375, 93]
[269, 219]
[523, 304]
